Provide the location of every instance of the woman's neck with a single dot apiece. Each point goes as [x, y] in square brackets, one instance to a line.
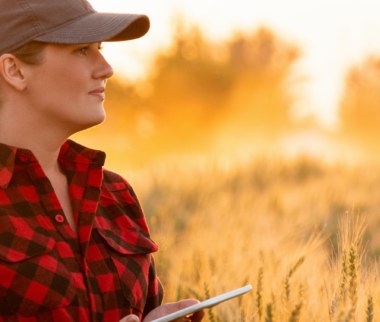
[21, 129]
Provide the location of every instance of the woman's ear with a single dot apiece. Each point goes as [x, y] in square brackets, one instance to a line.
[11, 69]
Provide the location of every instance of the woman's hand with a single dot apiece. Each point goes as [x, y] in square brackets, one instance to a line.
[169, 308]
[130, 318]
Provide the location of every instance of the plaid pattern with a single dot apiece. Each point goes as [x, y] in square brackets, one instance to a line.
[47, 272]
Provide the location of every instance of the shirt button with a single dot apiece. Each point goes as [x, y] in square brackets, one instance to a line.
[59, 218]
[23, 157]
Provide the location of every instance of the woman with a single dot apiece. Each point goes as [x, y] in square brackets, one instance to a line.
[74, 244]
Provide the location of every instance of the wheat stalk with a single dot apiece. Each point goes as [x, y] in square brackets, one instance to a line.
[343, 280]
[353, 285]
[334, 306]
[297, 265]
[296, 313]
[270, 312]
[210, 311]
[301, 293]
[287, 287]
[340, 316]
[259, 290]
[350, 315]
[369, 311]
[290, 274]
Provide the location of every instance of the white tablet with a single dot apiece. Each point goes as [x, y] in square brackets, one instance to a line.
[205, 304]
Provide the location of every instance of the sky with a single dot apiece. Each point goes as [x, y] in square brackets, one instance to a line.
[333, 35]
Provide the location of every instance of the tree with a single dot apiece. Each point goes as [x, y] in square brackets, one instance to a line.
[359, 109]
[199, 92]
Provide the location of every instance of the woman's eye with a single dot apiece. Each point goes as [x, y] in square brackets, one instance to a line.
[82, 50]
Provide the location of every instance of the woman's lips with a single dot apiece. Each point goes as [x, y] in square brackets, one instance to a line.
[100, 95]
[99, 92]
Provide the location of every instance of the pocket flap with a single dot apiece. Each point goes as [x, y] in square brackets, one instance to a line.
[129, 242]
[21, 244]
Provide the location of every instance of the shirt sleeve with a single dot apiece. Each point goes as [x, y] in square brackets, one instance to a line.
[155, 290]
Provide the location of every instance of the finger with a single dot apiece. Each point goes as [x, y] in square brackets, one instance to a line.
[169, 308]
[130, 318]
[174, 307]
[197, 316]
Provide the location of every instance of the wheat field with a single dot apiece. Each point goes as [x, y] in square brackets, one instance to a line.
[302, 233]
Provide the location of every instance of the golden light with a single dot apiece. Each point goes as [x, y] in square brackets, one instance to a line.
[333, 35]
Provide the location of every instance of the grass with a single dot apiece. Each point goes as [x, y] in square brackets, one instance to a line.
[304, 234]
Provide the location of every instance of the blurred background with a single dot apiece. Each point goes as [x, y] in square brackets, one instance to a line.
[242, 79]
[248, 129]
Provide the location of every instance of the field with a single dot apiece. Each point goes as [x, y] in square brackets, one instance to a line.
[302, 233]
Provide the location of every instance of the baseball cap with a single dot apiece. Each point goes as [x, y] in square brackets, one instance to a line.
[64, 22]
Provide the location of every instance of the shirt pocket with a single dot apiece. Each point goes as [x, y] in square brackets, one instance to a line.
[33, 277]
[130, 253]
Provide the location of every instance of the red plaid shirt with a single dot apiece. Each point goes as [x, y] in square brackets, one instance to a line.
[47, 272]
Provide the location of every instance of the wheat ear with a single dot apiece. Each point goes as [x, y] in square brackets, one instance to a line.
[343, 280]
[270, 313]
[369, 311]
[350, 315]
[259, 291]
[352, 272]
[290, 274]
[334, 306]
[296, 314]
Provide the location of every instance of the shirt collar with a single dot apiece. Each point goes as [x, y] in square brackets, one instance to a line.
[70, 151]
[77, 153]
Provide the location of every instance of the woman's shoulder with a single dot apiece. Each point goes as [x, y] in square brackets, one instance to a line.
[117, 190]
[115, 184]
[113, 180]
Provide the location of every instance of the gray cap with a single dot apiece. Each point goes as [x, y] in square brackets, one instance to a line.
[64, 22]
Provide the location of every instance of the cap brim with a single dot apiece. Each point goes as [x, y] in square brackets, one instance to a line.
[99, 27]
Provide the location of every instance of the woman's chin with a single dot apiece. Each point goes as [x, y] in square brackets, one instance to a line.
[91, 122]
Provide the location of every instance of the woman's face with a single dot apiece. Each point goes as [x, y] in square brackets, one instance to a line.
[68, 87]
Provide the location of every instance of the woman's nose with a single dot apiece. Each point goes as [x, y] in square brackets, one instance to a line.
[108, 70]
[104, 70]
